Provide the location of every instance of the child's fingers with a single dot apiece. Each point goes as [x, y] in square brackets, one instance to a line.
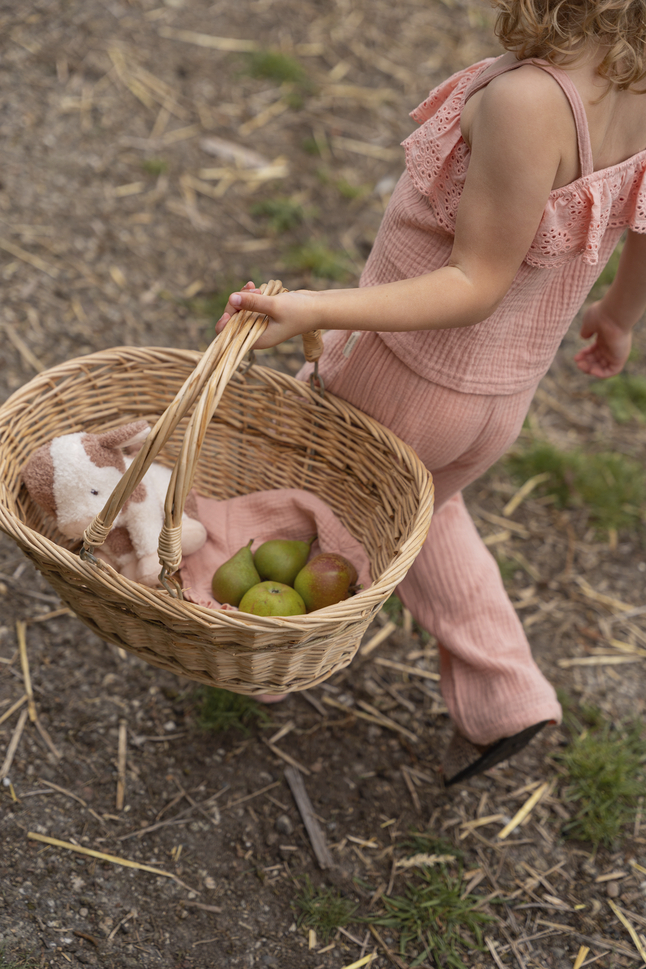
[597, 361]
[254, 301]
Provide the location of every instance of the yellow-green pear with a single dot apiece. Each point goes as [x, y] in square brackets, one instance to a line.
[235, 576]
[326, 579]
[272, 599]
[281, 559]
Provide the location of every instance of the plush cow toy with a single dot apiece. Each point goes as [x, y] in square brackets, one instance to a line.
[72, 477]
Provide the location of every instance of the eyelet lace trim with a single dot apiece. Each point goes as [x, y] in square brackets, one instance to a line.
[576, 216]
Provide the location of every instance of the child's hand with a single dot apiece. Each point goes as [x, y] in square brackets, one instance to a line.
[290, 314]
[609, 352]
[230, 309]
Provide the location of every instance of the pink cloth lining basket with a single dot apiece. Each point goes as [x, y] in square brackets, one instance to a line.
[226, 433]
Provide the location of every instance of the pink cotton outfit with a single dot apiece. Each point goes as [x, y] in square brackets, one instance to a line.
[459, 396]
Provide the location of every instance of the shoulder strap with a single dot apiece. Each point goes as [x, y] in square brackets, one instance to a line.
[568, 87]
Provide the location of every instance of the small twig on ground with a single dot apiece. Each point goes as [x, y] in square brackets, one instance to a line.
[394, 694]
[389, 722]
[411, 790]
[88, 938]
[75, 797]
[314, 702]
[13, 744]
[12, 709]
[631, 929]
[491, 945]
[202, 906]
[182, 817]
[582, 953]
[378, 639]
[599, 943]
[21, 633]
[21, 628]
[54, 614]
[306, 811]
[102, 856]
[404, 668]
[525, 810]
[195, 804]
[121, 764]
[48, 740]
[248, 797]
[288, 759]
[130, 915]
[282, 732]
[363, 961]
[388, 952]
[518, 498]
[514, 948]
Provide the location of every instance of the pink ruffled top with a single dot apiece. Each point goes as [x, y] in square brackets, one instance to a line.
[582, 221]
[576, 215]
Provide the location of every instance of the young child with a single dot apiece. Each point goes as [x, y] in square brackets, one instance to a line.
[522, 176]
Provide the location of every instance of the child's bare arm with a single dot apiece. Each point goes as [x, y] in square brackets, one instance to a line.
[611, 320]
[515, 154]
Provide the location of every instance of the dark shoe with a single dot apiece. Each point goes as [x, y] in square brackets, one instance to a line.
[464, 759]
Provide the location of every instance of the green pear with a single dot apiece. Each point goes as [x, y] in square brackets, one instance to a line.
[281, 559]
[272, 599]
[235, 576]
[326, 579]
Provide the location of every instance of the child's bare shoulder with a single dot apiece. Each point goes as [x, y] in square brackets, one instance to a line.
[525, 99]
[526, 88]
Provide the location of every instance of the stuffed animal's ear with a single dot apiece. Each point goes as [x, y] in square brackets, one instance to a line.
[38, 477]
[128, 438]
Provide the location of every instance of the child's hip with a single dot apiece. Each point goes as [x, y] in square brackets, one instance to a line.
[457, 436]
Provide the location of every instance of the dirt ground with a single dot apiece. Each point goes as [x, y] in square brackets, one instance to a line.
[118, 225]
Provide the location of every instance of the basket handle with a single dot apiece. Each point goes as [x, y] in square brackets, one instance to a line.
[235, 345]
[205, 385]
[249, 328]
[313, 346]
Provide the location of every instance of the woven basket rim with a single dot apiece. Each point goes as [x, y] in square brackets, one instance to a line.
[112, 580]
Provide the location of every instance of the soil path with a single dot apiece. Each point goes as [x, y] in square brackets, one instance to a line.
[152, 161]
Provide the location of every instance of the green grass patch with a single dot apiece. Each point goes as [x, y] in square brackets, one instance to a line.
[8, 961]
[626, 396]
[610, 485]
[606, 775]
[310, 146]
[272, 65]
[422, 843]
[323, 910]
[394, 609]
[434, 919]
[282, 214]
[346, 189]
[154, 166]
[220, 710]
[507, 567]
[318, 259]
[349, 191]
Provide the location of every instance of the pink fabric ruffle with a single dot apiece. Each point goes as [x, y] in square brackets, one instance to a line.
[576, 215]
[282, 513]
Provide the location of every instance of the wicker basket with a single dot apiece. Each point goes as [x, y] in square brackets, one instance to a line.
[247, 432]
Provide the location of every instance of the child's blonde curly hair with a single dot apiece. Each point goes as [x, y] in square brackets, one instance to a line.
[557, 30]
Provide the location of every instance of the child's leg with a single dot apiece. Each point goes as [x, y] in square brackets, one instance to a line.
[490, 681]
[491, 685]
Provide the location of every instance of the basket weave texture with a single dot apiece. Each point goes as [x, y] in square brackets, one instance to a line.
[250, 431]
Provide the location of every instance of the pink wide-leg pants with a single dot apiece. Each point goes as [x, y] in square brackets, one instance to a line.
[489, 680]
